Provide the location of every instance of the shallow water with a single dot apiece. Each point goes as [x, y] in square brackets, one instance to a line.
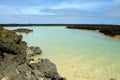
[78, 54]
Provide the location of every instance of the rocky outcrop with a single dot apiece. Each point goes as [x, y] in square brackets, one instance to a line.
[15, 65]
[23, 30]
[11, 42]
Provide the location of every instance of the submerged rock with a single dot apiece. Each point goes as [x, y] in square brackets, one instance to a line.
[15, 65]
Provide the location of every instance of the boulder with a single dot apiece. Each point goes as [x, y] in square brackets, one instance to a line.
[17, 67]
[35, 50]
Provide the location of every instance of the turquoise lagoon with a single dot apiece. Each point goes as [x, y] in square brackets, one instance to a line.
[78, 54]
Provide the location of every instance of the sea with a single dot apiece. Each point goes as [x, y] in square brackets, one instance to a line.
[77, 54]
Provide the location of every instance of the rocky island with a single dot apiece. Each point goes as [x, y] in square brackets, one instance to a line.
[15, 60]
[23, 30]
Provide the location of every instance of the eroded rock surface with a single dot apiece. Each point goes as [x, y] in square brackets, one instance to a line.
[11, 42]
[15, 65]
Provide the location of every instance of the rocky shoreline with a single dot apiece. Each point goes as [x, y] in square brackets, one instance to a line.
[15, 60]
[110, 30]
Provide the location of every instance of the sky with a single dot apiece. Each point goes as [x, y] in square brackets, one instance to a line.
[60, 11]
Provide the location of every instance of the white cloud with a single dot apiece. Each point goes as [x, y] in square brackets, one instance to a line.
[86, 5]
[62, 11]
[76, 5]
[116, 1]
[113, 12]
[34, 11]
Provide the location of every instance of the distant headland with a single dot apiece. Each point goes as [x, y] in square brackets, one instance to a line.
[110, 30]
[6, 25]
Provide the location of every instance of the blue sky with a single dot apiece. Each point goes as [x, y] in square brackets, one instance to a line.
[60, 11]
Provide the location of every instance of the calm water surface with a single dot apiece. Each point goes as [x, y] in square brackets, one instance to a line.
[78, 54]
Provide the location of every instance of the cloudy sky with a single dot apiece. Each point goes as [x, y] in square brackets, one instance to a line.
[60, 11]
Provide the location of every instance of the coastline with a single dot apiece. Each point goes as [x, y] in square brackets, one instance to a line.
[98, 31]
[73, 54]
[77, 30]
[15, 58]
[108, 30]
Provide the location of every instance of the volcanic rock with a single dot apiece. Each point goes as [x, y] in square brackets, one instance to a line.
[15, 63]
